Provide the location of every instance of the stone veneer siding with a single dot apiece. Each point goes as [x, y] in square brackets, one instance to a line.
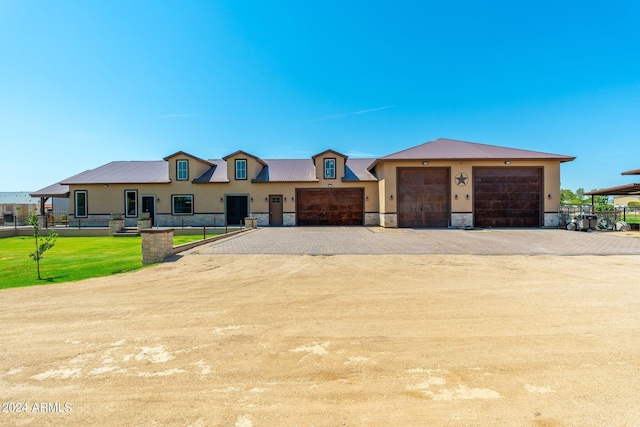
[461, 220]
[196, 220]
[551, 219]
[157, 244]
[389, 220]
[289, 218]
[371, 219]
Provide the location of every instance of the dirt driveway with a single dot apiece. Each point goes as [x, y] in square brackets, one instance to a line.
[348, 340]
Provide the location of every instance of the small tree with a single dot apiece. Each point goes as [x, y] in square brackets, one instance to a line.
[41, 246]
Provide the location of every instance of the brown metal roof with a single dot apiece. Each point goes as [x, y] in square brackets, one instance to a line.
[133, 172]
[287, 170]
[216, 173]
[55, 190]
[357, 170]
[621, 190]
[450, 149]
[633, 172]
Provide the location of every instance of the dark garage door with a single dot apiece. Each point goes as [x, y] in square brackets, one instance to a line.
[507, 197]
[337, 206]
[423, 197]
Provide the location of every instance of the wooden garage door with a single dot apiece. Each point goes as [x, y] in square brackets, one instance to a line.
[423, 197]
[336, 206]
[507, 197]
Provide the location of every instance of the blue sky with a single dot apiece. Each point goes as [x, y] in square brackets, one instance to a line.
[85, 82]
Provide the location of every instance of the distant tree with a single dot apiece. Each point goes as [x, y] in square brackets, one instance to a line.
[566, 196]
[601, 203]
[42, 245]
[580, 193]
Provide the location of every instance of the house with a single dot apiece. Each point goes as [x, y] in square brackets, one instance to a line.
[16, 205]
[441, 183]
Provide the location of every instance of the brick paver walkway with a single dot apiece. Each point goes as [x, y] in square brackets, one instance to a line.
[375, 240]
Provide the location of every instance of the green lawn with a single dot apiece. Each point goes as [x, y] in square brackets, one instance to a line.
[72, 258]
[178, 240]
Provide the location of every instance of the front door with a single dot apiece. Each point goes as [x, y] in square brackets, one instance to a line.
[275, 210]
[149, 206]
[237, 209]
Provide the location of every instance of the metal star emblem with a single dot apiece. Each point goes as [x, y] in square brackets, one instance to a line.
[461, 179]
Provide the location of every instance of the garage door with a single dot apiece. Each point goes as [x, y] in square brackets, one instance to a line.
[507, 197]
[340, 206]
[423, 197]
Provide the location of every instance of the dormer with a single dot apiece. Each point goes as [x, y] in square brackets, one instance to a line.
[242, 166]
[330, 165]
[185, 167]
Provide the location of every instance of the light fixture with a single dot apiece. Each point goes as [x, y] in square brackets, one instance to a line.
[252, 199]
[455, 197]
[292, 199]
[285, 199]
[425, 163]
[106, 185]
[330, 185]
[507, 162]
[391, 197]
[366, 198]
[221, 199]
[549, 196]
[158, 199]
[467, 197]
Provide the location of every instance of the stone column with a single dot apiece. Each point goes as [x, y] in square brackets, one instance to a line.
[157, 244]
[115, 225]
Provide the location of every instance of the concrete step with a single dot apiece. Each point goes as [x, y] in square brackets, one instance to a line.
[127, 232]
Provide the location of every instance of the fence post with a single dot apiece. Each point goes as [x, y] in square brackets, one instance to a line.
[204, 232]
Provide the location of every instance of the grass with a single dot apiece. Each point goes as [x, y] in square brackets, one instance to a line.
[71, 259]
[179, 240]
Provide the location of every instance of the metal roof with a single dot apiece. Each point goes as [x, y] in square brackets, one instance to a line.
[450, 149]
[359, 169]
[287, 170]
[621, 190]
[55, 190]
[216, 173]
[633, 172]
[303, 170]
[127, 172]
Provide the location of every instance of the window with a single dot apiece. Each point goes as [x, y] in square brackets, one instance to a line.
[131, 203]
[182, 205]
[81, 204]
[182, 168]
[241, 169]
[329, 168]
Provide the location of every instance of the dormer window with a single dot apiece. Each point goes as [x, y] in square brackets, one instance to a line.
[241, 169]
[329, 168]
[182, 170]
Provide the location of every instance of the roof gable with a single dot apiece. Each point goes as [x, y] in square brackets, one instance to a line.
[244, 153]
[328, 151]
[185, 154]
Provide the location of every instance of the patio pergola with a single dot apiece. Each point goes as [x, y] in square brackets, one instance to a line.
[621, 190]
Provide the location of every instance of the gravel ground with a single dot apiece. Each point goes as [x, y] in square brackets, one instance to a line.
[345, 340]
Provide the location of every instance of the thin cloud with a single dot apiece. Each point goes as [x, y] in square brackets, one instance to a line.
[174, 116]
[354, 113]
